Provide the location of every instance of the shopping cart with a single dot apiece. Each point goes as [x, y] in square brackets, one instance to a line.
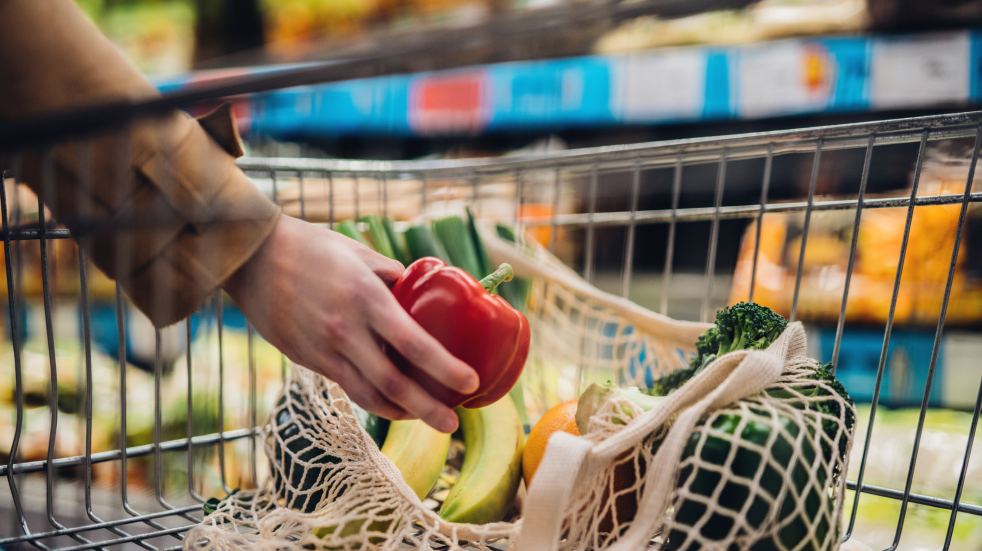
[119, 454]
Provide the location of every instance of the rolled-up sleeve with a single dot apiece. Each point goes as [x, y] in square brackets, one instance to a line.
[159, 206]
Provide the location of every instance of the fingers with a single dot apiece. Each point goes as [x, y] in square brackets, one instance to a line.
[365, 395]
[398, 328]
[366, 355]
[384, 267]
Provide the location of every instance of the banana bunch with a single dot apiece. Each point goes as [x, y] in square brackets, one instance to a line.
[492, 469]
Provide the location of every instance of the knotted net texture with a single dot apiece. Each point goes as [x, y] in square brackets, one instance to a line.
[703, 470]
[742, 453]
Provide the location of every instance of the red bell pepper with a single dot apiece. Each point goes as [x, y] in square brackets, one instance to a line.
[478, 327]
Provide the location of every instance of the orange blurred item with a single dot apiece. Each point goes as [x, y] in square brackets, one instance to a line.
[538, 213]
[559, 418]
[881, 231]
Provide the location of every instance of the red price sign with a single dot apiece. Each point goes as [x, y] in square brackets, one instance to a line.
[452, 103]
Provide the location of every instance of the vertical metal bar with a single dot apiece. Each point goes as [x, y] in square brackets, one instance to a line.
[121, 356]
[13, 309]
[813, 179]
[589, 255]
[963, 475]
[276, 200]
[250, 336]
[189, 420]
[631, 230]
[357, 197]
[553, 228]
[85, 181]
[861, 197]
[124, 457]
[714, 237]
[939, 330]
[47, 174]
[422, 193]
[383, 190]
[219, 307]
[122, 174]
[589, 261]
[666, 276]
[47, 169]
[303, 204]
[519, 199]
[764, 190]
[887, 333]
[89, 382]
[330, 199]
[158, 375]
[476, 193]
[16, 213]
[158, 418]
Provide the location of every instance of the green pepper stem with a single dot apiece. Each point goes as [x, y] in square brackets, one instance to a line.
[494, 279]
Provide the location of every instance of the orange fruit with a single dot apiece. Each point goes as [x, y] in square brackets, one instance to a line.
[561, 417]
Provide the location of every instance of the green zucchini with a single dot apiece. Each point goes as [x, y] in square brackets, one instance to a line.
[483, 261]
[396, 240]
[377, 236]
[305, 487]
[454, 234]
[348, 228]
[421, 242]
[516, 292]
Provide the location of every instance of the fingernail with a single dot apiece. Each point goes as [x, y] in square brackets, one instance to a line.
[448, 424]
[472, 383]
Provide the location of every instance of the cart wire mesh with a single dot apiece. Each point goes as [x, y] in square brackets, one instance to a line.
[178, 430]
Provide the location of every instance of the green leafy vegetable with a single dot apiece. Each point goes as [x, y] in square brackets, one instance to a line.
[421, 242]
[348, 228]
[455, 236]
[745, 325]
[378, 237]
[396, 241]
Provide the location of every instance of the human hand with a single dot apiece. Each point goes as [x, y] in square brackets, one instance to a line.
[321, 298]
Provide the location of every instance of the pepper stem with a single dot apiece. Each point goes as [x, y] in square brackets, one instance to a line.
[494, 279]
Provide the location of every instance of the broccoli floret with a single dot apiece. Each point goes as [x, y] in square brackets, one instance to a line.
[741, 326]
[706, 346]
[747, 325]
[665, 384]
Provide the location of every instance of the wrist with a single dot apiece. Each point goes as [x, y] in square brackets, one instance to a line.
[274, 246]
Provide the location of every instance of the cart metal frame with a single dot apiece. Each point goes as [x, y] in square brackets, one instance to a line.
[160, 518]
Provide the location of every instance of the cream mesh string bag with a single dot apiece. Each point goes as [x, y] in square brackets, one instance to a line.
[741, 457]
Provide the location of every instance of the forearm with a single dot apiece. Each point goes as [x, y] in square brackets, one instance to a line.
[165, 211]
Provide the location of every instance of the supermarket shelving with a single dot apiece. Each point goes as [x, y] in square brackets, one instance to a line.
[807, 76]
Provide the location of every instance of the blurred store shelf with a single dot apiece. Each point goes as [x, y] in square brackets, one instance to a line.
[812, 76]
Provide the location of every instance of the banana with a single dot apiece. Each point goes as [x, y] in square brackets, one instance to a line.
[492, 469]
[419, 453]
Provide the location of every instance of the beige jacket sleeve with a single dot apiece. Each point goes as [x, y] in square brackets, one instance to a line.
[161, 206]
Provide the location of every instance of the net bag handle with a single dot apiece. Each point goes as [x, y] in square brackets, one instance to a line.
[532, 261]
[728, 379]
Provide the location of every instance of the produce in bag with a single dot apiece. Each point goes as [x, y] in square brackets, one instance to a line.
[566, 315]
[759, 473]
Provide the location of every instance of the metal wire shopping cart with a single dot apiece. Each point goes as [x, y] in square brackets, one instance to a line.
[141, 426]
